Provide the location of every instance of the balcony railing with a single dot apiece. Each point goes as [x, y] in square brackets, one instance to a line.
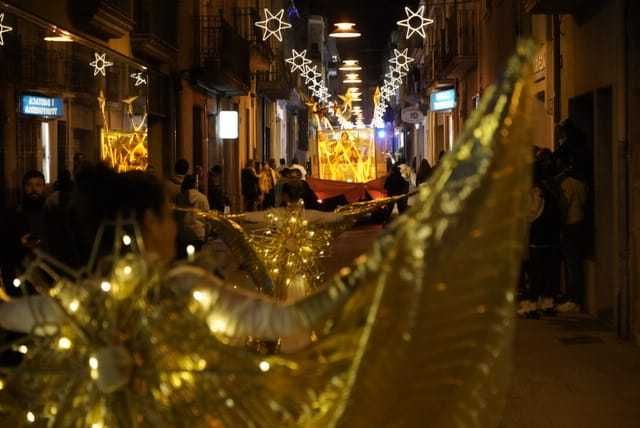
[275, 84]
[262, 51]
[458, 43]
[155, 32]
[109, 19]
[223, 56]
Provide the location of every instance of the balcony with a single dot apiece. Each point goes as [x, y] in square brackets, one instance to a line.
[107, 19]
[274, 84]
[551, 7]
[155, 34]
[223, 57]
[458, 44]
[261, 52]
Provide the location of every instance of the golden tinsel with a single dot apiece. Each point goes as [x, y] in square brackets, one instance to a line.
[418, 329]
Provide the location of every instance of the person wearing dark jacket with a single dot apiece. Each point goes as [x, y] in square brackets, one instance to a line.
[396, 185]
[250, 187]
[424, 172]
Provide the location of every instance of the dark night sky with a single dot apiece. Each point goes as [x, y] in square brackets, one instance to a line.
[375, 19]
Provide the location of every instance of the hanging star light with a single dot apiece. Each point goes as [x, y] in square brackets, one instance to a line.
[412, 24]
[273, 25]
[401, 60]
[298, 61]
[139, 79]
[3, 29]
[100, 64]
[311, 74]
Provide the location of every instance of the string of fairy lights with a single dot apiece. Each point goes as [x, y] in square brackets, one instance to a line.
[350, 116]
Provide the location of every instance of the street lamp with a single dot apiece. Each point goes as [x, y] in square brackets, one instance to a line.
[345, 30]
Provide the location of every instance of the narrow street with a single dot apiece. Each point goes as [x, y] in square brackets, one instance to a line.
[569, 371]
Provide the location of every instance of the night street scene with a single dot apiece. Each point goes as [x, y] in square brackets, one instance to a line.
[319, 213]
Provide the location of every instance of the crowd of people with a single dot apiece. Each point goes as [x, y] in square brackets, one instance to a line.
[560, 216]
[52, 218]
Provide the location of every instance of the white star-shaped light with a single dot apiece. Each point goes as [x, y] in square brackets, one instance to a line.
[140, 80]
[413, 27]
[395, 76]
[298, 61]
[100, 64]
[273, 25]
[311, 74]
[3, 29]
[401, 59]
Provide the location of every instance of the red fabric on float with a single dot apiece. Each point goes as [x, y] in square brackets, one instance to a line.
[353, 192]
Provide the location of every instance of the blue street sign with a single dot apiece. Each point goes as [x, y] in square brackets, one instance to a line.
[36, 105]
[443, 100]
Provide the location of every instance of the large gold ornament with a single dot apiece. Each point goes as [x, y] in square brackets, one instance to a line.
[418, 331]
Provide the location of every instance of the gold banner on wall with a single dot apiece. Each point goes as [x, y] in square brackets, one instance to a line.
[347, 155]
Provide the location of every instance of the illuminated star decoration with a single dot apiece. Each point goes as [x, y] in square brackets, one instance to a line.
[298, 61]
[140, 80]
[273, 25]
[100, 64]
[3, 29]
[311, 74]
[412, 18]
[401, 59]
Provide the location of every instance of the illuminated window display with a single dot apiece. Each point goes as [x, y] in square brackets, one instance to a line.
[347, 155]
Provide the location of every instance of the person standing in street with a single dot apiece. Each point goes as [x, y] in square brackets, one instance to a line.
[268, 180]
[572, 200]
[174, 184]
[196, 229]
[424, 172]
[217, 196]
[25, 228]
[396, 185]
[250, 187]
[295, 164]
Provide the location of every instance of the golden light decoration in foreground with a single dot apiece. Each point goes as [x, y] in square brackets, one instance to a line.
[404, 317]
[291, 250]
[273, 25]
[298, 61]
[3, 29]
[345, 30]
[415, 22]
[125, 151]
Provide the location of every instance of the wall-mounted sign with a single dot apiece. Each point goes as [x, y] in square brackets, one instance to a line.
[412, 115]
[228, 125]
[36, 105]
[443, 100]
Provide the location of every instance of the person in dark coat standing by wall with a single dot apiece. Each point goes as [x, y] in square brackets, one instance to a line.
[250, 187]
[396, 185]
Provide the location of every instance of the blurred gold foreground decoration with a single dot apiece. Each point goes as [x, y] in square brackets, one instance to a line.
[418, 332]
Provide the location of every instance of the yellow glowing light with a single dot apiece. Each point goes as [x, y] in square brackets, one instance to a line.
[64, 343]
[17, 283]
[97, 425]
[350, 65]
[217, 325]
[1, 384]
[345, 30]
[74, 305]
[264, 366]
[105, 286]
[23, 349]
[93, 363]
[31, 418]
[273, 25]
[352, 78]
[127, 270]
[191, 250]
[125, 151]
[126, 240]
[63, 37]
[348, 155]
